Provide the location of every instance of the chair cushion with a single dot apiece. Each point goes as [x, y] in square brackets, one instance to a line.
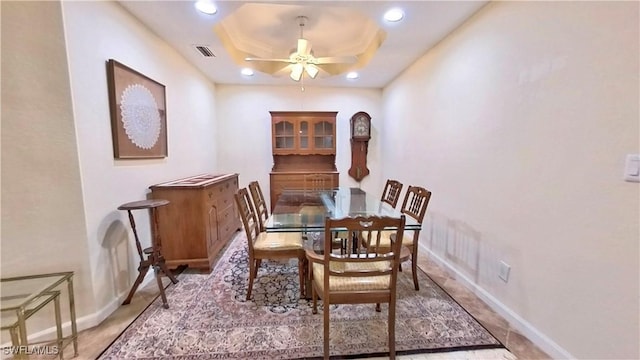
[385, 241]
[278, 241]
[340, 283]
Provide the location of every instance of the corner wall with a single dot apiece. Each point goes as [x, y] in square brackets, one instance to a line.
[97, 31]
[61, 185]
[43, 223]
[519, 123]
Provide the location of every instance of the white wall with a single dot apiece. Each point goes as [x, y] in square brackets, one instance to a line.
[95, 32]
[43, 226]
[519, 123]
[61, 185]
[245, 127]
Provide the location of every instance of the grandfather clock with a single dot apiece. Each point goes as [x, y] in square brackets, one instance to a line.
[360, 135]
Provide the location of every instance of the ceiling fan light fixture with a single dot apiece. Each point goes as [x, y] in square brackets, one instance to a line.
[296, 72]
[247, 72]
[206, 7]
[312, 70]
[394, 15]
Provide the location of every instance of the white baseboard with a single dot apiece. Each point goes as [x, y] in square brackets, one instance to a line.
[516, 321]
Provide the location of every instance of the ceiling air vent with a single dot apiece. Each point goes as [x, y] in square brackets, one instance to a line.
[205, 51]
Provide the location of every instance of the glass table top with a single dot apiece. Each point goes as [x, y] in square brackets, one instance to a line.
[300, 210]
[20, 290]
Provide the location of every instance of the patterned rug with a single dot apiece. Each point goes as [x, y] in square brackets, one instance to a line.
[209, 318]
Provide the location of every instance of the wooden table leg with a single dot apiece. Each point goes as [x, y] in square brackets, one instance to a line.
[157, 270]
[143, 268]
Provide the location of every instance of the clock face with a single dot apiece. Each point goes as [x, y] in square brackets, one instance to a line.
[361, 127]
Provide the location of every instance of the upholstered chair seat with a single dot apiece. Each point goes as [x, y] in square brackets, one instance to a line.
[278, 241]
[361, 283]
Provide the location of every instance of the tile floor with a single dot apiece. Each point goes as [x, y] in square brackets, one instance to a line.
[93, 341]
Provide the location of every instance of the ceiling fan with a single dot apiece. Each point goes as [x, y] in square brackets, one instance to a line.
[303, 60]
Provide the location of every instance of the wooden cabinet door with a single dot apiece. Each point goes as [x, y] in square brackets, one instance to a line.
[212, 230]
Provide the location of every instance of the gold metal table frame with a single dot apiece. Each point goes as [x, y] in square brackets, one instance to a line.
[24, 296]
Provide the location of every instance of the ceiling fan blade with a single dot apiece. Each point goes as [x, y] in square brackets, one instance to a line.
[296, 72]
[268, 59]
[312, 70]
[303, 47]
[335, 60]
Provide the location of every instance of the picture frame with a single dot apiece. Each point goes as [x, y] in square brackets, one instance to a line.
[138, 113]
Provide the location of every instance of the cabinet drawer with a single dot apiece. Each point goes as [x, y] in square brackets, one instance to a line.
[287, 182]
[226, 231]
[221, 196]
[226, 215]
[227, 223]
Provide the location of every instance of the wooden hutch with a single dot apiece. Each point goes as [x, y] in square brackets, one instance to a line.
[199, 220]
[303, 143]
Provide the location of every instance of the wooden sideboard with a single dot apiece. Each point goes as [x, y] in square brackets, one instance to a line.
[199, 220]
[303, 143]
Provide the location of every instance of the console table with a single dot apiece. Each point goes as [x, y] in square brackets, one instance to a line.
[200, 219]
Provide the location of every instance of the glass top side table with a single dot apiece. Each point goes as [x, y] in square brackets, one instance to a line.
[22, 296]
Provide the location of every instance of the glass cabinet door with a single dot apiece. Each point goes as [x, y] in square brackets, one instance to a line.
[283, 135]
[303, 135]
[323, 135]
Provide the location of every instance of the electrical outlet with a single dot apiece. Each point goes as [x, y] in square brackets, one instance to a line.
[505, 269]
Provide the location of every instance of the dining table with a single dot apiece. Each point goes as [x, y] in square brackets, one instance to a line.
[305, 211]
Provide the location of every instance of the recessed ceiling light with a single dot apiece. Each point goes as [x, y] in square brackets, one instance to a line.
[393, 15]
[352, 75]
[206, 7]
[247, 72]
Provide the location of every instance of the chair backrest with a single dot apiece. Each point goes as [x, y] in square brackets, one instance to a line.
[313, 182]
[391, 192]
[363, 245]
[259, 204]
[248, 216]
[415, 202]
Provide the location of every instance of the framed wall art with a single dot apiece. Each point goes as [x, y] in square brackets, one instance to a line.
[138, 113]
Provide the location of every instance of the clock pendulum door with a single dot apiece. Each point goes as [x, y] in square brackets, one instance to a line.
[359, 151]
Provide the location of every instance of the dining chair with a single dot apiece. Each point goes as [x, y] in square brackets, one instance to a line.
[364, 274]
[259, 203]
[414, 205]
[263, 245]
[391, 192]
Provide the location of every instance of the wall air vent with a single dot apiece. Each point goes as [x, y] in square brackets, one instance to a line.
[204, 50]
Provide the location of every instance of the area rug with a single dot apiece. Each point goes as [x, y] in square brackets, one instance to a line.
[210, 318]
